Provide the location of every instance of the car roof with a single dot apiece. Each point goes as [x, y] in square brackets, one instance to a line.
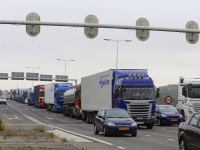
[164, 105]
[113, 109]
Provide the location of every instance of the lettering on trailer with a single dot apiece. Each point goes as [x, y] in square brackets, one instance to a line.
[103, 81]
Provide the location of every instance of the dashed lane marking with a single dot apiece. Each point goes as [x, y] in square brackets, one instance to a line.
[170, 139]
[147, 135]
[15, 117]
[120, 147]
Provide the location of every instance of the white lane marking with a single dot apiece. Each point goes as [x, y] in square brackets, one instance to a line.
[171, 139]
[120, 147]
[26, 108]
[21, 124]
[6, 108]
[66, 119]
[147, 135]
[54, 114]
[53, 127]
[12, 118]
[48, 118]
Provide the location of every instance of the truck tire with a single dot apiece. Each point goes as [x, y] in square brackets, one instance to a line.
[183, 115]
[84, 116]
[149, 126]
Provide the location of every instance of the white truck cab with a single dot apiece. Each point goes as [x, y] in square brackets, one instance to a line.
[188, 96]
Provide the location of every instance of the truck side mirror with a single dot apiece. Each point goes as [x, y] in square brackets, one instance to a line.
[157, 94]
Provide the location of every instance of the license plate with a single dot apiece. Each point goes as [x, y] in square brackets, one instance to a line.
[174, 120]
[140, 122]
[123, 128]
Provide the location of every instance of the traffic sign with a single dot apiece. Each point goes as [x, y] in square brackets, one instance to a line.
[32, 76]
[17, 75]
[44, 77]
[168, 99]
[61, 78]
[33, 30]
[4, 76]
[142, 35]
[192, 38]
[91, 32]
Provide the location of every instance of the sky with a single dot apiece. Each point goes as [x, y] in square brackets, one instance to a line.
[166, 55]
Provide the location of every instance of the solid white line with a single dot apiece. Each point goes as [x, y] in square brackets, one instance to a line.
[120, 147]
[74, 133]
[147, 135]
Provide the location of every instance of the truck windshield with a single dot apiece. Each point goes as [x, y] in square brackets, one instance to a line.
[41, 94]
[139, 93]
[194, 92]
[60, 94]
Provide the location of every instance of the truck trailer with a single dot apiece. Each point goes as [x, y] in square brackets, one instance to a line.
[188, 96]
[129, 89]
[39, 96]
[72, 102]
[54, 96]
[29, 96]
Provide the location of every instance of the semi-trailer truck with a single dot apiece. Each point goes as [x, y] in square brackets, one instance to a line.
[188, 96]
[72, 102]
[24, 96]
[54, 96]
[39, 96]
[129, 89]
[30, 96]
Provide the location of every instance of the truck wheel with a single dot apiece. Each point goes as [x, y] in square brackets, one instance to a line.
[183, 114]
[149, 126]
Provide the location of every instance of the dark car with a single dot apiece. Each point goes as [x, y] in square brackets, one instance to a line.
[114, 121]
[189, 133]
[3, 100]
[167, 114]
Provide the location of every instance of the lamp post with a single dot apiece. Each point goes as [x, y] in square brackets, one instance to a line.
[65, 63]
[117, 47]
[33, 71]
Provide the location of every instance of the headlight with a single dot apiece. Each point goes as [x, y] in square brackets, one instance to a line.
[181, 116]
[163, 115]
[111, 124]
[134, 124]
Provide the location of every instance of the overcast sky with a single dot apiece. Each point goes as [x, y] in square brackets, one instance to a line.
[166, 55]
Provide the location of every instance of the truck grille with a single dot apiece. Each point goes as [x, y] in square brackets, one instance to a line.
[140, 111]
[196, 107]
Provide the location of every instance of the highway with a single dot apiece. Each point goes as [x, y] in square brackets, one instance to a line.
[22, 116]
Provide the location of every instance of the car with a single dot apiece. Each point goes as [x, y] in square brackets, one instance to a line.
[114, 121]
[167, 114]
[189, 133]
[3, 100]
[7, 97]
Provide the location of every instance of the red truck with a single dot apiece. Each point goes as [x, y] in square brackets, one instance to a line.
[39, 96]
[72, 102]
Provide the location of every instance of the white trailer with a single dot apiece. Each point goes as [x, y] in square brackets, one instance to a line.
[114, 89]
[188, 96]
[49, 93]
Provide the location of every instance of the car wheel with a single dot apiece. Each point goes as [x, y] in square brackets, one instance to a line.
[182, 144]
[5, 103]
[134, 135]
[105, 132]
[149, 126]
[95, 130]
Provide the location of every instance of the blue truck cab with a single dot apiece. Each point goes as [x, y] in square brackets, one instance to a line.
[54, 96]
[134, 91]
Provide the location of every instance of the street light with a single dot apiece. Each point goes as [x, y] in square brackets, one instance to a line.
[65, 63]
[33, 71]
[117, 47]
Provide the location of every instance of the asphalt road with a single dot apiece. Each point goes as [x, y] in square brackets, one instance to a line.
[21, 116]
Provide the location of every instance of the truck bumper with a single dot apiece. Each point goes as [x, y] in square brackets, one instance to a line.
[150, 121]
